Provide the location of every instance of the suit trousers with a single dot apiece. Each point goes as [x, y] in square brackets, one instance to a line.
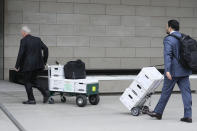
[184, 86]
[30, 80]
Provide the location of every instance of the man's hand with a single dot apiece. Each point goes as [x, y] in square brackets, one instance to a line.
[169, 75]
[16, 69]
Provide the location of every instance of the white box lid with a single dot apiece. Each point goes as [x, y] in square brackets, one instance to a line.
[152, 73]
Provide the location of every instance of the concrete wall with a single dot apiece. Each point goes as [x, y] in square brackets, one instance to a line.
[1, 39]
[106, 34]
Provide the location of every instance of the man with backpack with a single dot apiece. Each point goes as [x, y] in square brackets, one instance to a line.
[174, 73]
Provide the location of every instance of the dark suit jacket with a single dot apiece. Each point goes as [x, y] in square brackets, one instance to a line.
[33, 54]
[171, 56]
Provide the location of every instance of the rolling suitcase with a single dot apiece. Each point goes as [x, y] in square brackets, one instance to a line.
[140, 90]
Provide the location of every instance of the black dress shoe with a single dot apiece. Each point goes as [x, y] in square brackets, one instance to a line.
[154, 114]
[46, 98]
[186, 119]
[29, 102]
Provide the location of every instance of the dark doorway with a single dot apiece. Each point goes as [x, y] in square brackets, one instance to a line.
[1, 39]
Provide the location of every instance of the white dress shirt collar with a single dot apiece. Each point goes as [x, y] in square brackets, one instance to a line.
[172, 32]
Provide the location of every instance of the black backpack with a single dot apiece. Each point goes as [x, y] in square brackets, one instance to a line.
[188, 52]
[75, 70]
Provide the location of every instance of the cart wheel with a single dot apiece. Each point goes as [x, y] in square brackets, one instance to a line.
[145, 109]
[63, 99]
[51, 100]
[81, 100]
[135, 111]
[94, 99]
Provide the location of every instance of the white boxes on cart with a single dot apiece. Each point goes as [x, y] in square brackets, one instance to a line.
[58, 83]
[145, 83]
[70, 85]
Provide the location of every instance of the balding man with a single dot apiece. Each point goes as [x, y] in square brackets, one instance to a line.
[32, 58]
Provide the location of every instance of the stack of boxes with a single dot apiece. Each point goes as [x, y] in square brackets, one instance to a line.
[145, 83]
[58, 83]
[56, 77]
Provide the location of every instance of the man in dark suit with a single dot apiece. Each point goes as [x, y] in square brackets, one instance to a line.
[174, 73]
[32, 58]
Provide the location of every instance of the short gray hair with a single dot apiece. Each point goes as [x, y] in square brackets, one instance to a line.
[26, 29]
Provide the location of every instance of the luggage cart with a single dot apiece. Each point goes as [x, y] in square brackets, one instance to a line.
[82, 89]
[137, 95]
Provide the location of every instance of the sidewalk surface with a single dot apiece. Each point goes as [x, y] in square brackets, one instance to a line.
[109, 115]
